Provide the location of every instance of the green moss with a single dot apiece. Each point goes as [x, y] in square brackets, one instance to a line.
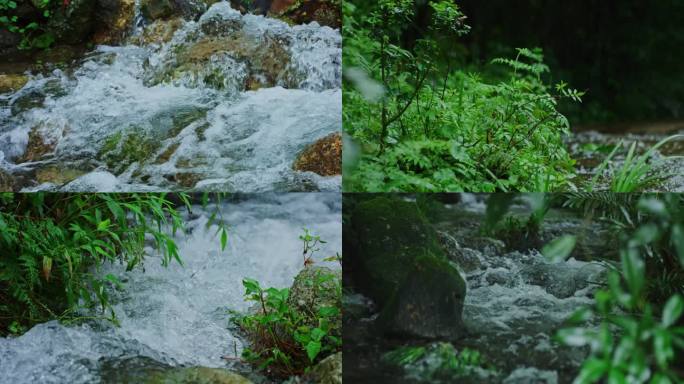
[120, 150]
[391, 234]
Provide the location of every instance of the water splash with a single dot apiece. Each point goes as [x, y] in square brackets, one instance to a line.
[227, 103]
[178, 315]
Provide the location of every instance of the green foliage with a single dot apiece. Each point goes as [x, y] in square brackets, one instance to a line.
[636, 172]
[436, 128]
[310, 245]
[436, 362]
[53, 244]
[639, 335]
[52, 248]
[287, 339]
[33, 33]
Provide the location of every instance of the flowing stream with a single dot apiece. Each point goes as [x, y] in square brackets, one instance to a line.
[227, 103]
[515, 303]
[179, 315]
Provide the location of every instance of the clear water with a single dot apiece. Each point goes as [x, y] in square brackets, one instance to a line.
[178, 315]
[217, 133]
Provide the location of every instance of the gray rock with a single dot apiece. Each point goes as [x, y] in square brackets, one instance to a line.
[428, 304]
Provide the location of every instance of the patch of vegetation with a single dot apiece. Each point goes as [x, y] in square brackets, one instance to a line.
[636, 172]
[33, 33]
[426, 125]
[293, 330]
[635, 330]
[51, 242]
[436, 362]
[52, 247]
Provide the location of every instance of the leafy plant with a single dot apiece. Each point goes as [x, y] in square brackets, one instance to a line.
[53, 246]
[34, 34]
[435, 362]
[287, 337]
[636, 172]
[311, 243]
[636, 339]
[433, 127]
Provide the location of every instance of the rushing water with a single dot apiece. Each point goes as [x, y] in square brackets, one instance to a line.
[515, 303]
[178, 315]
[226, 104]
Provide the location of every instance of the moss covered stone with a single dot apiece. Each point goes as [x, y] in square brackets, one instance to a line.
[328, 371]
[122, 149]
[12, 82]
[324, 157]
[315, 288]
[429, 302]
[391, 234]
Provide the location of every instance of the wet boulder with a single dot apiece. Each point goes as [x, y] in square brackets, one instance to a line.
[328, 371]
[158, 32]
[224, 52]
[563, 279]
[38, 146]
[467, 259]
[324, 12]
[428, 303]
[390, 234]
[197, 375]
[144, 370]
[12, 82]
[97, 181]
[324, 157]
[115, 19]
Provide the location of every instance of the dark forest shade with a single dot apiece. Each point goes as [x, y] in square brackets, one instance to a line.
[627, 54]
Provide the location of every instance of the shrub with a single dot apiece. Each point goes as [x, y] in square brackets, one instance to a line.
[426, 126]
[52, 246]
[288, 338]
[638, 335]
[33, 33]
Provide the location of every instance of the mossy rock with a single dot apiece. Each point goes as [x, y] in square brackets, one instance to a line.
[115, 19]
[122, 149]
[328, 371]
[158, 9]
[37, 147]
[196, 375]
[324, 157]
[307, 296]
[144, 370]
[390, 235]
[57, 175]
[325, 12]
[429, 302]
[159, 32]
[12, 82]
